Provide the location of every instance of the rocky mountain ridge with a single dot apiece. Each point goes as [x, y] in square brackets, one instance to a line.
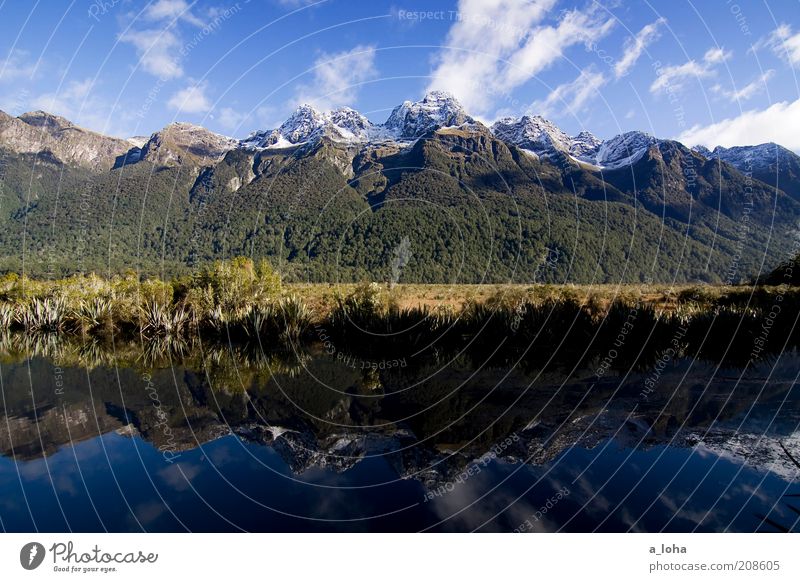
[185, 143]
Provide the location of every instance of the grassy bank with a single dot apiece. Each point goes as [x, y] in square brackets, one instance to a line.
[240, 301]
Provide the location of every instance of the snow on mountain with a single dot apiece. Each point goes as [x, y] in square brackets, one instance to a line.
[624, 150]
[412, 120]
[585, 146]
[408, 121]
[137, 140]
[179, 142]
[532, 133]
[760, 451]
[298, 128]
[754, 158]
[307, 124]
[543, 138]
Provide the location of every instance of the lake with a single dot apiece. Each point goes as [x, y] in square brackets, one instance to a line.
[230, 438]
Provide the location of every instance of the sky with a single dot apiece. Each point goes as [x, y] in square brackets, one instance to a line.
[712, 72]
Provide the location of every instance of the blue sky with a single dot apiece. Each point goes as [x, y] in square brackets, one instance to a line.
[720, 72]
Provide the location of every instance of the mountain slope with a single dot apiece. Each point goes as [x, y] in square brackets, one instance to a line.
[331, 196]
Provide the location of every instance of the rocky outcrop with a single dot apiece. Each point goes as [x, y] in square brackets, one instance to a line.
[37, 132]
[181, 144]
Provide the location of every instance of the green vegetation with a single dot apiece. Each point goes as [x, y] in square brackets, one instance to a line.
[242, 303]
[471, 209]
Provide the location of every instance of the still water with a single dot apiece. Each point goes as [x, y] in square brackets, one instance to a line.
[222, 438]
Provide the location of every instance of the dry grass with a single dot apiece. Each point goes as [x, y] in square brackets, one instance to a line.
[321, 297]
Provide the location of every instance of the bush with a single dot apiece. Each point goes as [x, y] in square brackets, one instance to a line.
[235, 286]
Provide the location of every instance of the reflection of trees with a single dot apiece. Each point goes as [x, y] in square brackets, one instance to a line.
[321, 410]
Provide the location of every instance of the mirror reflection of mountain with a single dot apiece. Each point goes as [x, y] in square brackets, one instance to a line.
[429, 419]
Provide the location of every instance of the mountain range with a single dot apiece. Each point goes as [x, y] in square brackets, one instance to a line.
[331, 196]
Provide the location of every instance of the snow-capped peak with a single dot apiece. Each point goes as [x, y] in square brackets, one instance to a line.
[542, 137]
[408, 121]
[533, 133]
[437, 109]
[624, 149]
[585, 146]
[298, 128]
[752, 158]
[307, 124]
[349, 125]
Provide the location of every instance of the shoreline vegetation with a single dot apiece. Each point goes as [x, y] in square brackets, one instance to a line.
[244, 303]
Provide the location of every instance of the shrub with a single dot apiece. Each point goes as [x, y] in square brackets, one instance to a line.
[236, 284]
[44, 315]
[159, 320]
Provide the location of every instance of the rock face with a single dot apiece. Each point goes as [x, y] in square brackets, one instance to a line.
[37, 132]
[186, 144]
[753, 158]
[585, 146]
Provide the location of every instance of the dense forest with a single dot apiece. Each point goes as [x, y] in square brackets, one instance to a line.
[456, 207]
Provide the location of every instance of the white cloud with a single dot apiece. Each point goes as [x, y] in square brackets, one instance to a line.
[779, 123]
[16, 67]
[66, 102]
[673, 78]
[158, 51]
[748, 91]
[336, 78]
[230, 119]
[571, 97]
[78, 101]
[191, 99]
[635, 46]
[716, 55]
[783, 43]
[490, 32]
[172, 10]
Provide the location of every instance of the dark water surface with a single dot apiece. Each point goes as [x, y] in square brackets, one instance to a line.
[222, 440]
